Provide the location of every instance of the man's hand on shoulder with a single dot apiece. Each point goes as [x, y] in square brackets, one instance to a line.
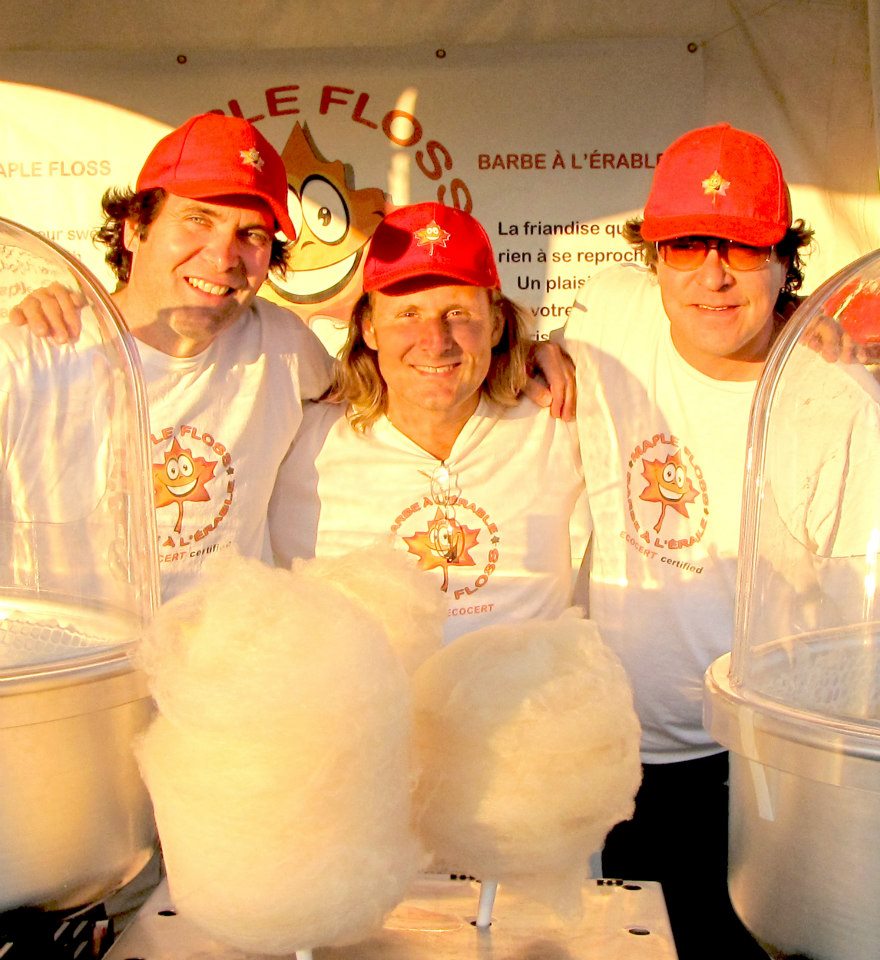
[848, 329]
[826, 336]
[52, 311]
[552, 379]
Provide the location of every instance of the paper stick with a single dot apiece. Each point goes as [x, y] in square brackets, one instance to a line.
[487, 901]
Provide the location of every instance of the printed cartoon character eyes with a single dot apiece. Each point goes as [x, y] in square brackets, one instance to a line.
[179, 467]
[446, 540]
[324, 210]
[673, 474]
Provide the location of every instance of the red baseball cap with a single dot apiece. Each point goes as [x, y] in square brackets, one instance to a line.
[718, 182]
[429, 244]
[213, 155]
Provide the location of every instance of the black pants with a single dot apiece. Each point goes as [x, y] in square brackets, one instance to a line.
[678, 837]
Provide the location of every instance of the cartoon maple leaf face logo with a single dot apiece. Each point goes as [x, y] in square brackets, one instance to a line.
[669, 485]
[445, 543]
[180, 478]
[431, 235]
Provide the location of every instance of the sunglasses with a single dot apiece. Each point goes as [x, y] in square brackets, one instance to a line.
[689, 253]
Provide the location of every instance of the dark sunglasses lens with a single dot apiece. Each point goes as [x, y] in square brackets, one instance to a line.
[690, 254]
[683, 254]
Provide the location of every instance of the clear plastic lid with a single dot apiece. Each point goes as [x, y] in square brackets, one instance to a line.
[807, 614]
[78, 568]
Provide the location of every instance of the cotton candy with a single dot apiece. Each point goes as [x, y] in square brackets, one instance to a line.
[385, 580]
[279, 764]
[528, 747]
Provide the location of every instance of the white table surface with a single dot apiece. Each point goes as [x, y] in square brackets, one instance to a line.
[622, 920]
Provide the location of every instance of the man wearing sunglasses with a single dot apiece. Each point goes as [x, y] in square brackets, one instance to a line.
[667, 357]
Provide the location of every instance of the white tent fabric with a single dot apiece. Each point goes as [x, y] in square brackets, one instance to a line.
[113, 25]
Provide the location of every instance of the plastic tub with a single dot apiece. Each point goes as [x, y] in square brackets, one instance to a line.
[797, 700]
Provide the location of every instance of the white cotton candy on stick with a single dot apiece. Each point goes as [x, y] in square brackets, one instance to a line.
[528, 748]
[392, 587]
[279, 764]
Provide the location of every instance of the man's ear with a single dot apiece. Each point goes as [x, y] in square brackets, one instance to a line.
[131, 235]
[497, 326]
[369, 334]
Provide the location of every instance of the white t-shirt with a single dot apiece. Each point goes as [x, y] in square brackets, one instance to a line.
[666, 448]
[233, 410]
[490, 523]
[220, 425]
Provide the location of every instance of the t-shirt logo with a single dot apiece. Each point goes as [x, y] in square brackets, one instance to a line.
[445, 543]
[446, 530]
[193, 474]
[667, 498]
[181, 477]
[669, 485]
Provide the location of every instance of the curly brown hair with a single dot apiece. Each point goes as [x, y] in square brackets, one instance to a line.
[142, 208]
[358, 382]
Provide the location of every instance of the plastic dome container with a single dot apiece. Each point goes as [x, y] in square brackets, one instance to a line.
[78, 581]
[797, 701]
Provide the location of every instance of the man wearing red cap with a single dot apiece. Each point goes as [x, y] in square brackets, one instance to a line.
[226, 372]
[667, 360]
[431, 440]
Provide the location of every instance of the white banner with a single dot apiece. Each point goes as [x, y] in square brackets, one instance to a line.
[552, 147]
